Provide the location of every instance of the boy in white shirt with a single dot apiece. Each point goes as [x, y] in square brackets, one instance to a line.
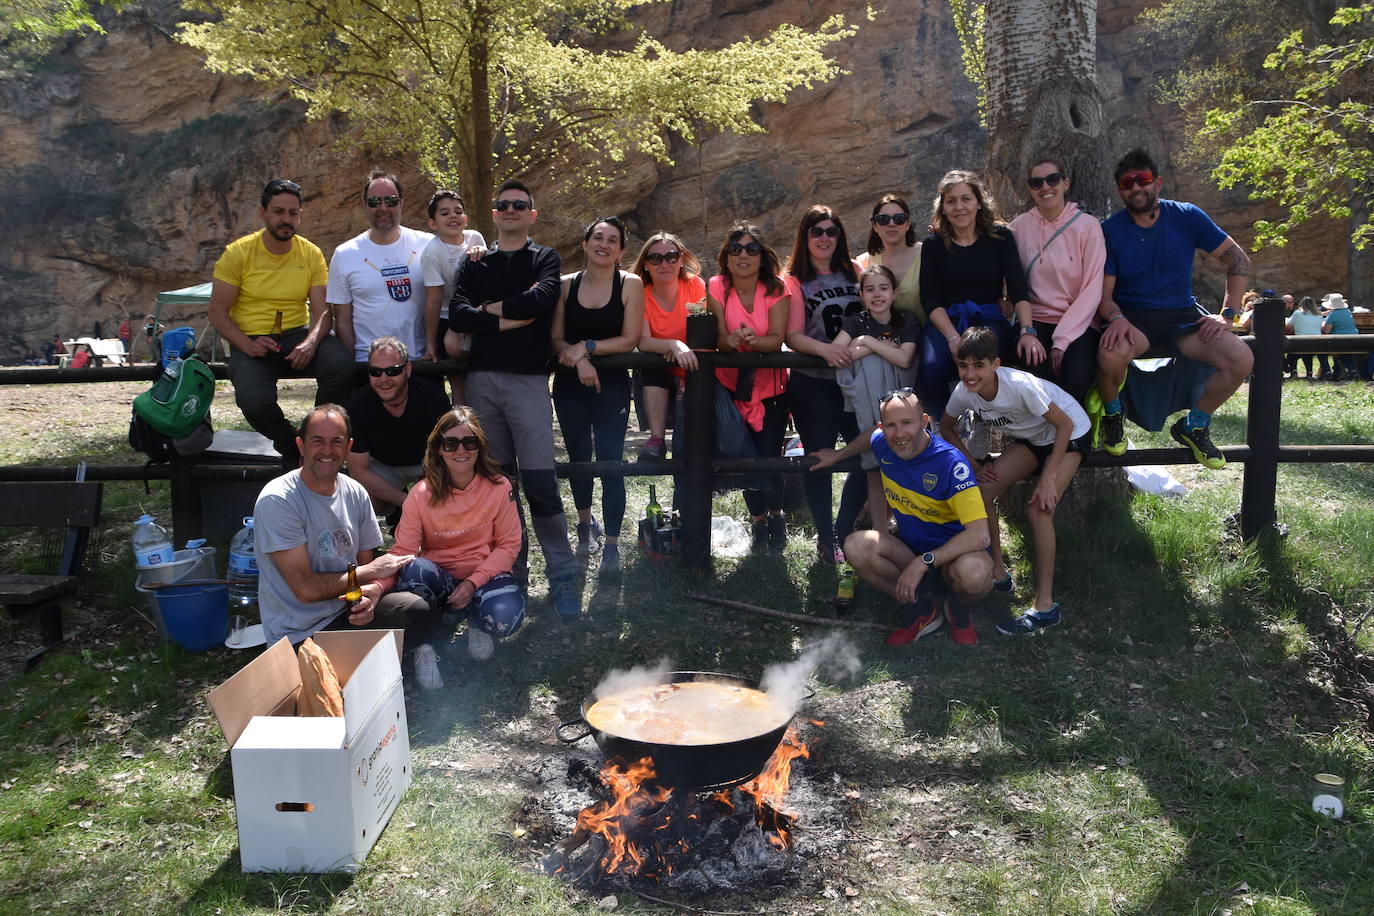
[439, 263]
[1047, 433]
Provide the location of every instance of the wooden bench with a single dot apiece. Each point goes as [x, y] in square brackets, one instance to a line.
[71, 506]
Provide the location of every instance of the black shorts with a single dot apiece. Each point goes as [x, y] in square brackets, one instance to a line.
[1082, 445]
[1163, 327]
[657, 378]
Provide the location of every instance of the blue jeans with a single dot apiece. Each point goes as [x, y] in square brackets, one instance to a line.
[497, 608]
[937, 365]
[594, 423]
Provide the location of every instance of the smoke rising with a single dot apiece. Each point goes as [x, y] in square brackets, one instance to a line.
[638, 676]
[834, 655]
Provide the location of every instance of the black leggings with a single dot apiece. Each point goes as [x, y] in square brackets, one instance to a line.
[768, 441]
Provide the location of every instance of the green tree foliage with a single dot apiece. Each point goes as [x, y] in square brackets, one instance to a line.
[467, 87]
[1312, 151]
[970, 21]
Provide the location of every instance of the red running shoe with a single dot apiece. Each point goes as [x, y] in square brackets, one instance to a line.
[961, 629]
[926, 619]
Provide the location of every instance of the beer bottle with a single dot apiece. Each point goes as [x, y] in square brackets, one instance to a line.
[653, 511]
[276, 324]
[354, 594]
[844, 595]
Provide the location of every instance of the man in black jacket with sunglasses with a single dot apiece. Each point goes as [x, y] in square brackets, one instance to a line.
[392, 419]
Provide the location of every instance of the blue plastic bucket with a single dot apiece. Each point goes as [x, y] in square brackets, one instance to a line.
[196, 616]
[177, 343]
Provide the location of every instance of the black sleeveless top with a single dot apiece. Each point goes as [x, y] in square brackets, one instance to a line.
[581, 323]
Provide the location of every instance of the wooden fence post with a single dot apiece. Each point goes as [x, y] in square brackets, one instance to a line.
[698, 440]
[1262, 420]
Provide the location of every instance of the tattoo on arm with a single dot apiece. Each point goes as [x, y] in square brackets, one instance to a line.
[1236, 260]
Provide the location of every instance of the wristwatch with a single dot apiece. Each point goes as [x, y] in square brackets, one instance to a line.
[1027, 329]
[590, 345]
[928, 558]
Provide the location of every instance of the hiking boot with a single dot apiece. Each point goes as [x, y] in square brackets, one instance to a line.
[759, 536]
[480, 644]
[566, 597]
[1031, 621]
[777, 533]
[961, 629]
[1113, 433]
[609, 567]
[588, 538]
[654, 448]
[1200, 441]
[427, 668]
[925, 619]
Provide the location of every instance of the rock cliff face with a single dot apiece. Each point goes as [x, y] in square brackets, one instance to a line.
[130, 166]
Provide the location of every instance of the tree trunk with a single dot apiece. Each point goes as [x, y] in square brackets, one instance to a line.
[1043, 99]
[479, 190]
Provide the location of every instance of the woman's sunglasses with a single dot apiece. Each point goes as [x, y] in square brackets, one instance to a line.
[1052, 179]
[670, 257]
[735, 249]
[891, 219]
[451, 443]
[832, 230]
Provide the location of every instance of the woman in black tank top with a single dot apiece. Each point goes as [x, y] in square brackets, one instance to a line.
[600, 311]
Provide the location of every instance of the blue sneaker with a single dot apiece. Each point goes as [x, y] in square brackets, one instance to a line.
[1030, 622]
[566, 597]
[1004, 584]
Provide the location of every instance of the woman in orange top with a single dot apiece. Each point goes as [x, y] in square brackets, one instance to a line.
[672, 281]
[462, 525]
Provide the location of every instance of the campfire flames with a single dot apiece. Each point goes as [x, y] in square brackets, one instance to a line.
[649, 830]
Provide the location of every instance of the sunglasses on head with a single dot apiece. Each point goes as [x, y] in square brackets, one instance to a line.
[501, 206]
[389, 371]
[280, 185]
[891, 219]
[904, 392]
[451, 443]
[1135, 180]
[390, 200]
[1037, 182]
[735, 249]
[670, 257]
[832, 230]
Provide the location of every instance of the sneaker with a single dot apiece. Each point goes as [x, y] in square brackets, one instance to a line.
[961, 629]
[566, 597]
[925, 617]
[777, 533]
[828, 553]
[588, 538]
[759, 536]
[1004, 584]
[1030, 621]
[480, 644]
[654, 448]
[609, 567]
[1113, 433]
[1200, 441]
[427, 667]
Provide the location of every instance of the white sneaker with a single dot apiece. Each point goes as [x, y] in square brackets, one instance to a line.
[427, 667]
[480, 644]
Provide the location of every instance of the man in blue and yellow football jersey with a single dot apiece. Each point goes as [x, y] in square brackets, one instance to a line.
[937, 564]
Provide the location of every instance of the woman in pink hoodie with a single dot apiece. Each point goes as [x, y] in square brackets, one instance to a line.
[1063, 253]
[462, 525]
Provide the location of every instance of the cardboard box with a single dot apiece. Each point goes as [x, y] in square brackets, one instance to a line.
[313, 794]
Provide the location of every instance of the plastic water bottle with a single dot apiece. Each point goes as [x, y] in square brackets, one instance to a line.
[167, 382]
[152, 545]
[243, 570]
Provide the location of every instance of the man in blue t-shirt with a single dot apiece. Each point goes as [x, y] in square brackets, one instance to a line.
[937, 564]
[1147, 301]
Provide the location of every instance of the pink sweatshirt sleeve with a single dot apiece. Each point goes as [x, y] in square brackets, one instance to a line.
[505, 538]
[1080, 313]
[409, 532]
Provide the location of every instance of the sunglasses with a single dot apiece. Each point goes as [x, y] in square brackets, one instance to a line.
[1036, 182]
[388, 371]
[670, 257]
[452, 443]
[280, 185]
[390, 200]
[1135, 180]
[501, 206]
[905, 392]
[891, 219]
[832, 230]
[735, 249]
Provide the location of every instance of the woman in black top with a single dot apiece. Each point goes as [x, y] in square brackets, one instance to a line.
[600, 311]
[966, 265]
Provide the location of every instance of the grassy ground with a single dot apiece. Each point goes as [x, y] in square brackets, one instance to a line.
[1152, 755]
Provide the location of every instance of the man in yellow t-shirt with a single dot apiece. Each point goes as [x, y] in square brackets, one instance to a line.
[262, 283]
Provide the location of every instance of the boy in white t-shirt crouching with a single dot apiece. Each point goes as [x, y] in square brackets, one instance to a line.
[1046, 432]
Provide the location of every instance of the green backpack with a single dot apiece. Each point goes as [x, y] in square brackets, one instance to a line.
[179, 399]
